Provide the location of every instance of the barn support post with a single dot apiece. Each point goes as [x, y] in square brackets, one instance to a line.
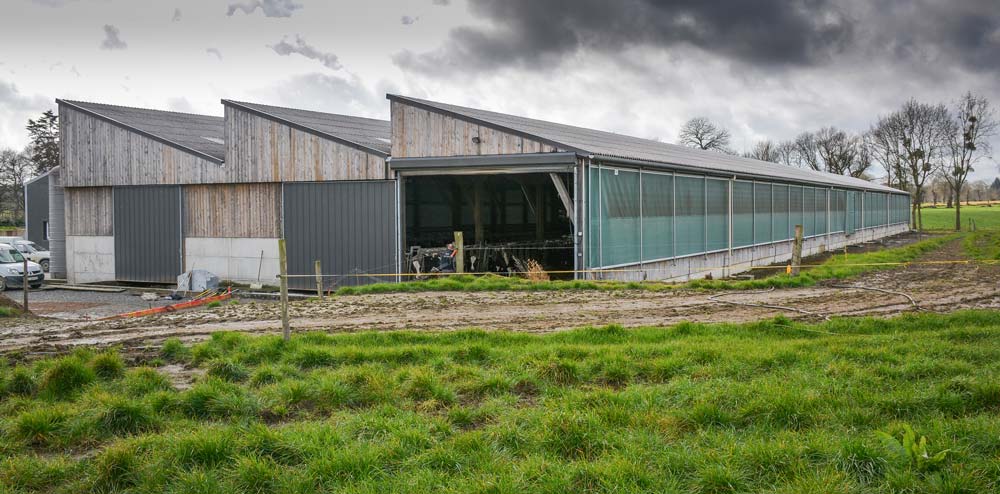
[459, 252]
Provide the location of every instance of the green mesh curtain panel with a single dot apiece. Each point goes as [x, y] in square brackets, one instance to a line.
[689, 216]
[808, 211]
[838, 203]
[762, 213]
[779, 212]
[743, 217]
[619, 217]
[594, 216]
[717, 219]
[795, 194]
[821, 210]
[851, 206]
[868, 218]
[657, 216]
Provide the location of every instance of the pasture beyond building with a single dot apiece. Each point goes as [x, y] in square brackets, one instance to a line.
[143, 195]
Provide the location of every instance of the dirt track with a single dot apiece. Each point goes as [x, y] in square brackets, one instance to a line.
[935, 287]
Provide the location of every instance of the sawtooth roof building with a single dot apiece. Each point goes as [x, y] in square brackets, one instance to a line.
[144, 195]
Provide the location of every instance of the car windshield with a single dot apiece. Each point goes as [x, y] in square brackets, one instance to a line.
[9, 255]
[27, 247]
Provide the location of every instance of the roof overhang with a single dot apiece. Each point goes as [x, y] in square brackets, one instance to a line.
[141, 132]
[492, 164]
[304, 128]
[696, 170]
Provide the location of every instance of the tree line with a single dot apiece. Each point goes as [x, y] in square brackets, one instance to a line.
[920, 147]
[17, 167]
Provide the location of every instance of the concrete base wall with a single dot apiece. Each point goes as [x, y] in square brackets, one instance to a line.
[723, 264]
[234, 259]
[90, 259]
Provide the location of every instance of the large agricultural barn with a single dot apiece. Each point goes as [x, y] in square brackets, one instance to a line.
[147, 195]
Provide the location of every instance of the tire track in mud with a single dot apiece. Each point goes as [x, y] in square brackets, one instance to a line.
[934, 287]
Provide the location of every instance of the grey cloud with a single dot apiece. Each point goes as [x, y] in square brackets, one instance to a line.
[284, 48]
[331, 93]
[270, 8]
[769, 34]
[214, 51]
[112, 39]
[180, 104]
[407, 20]
[15, 109]
[52, 3]
[177, 15]
[443, 3]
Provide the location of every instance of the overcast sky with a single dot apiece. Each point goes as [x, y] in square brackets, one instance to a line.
[764, 69]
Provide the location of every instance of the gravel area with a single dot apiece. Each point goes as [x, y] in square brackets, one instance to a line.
[77, 305]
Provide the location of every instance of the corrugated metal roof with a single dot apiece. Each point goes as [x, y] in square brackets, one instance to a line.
[611, 145]
[201, 133]
[366, 132]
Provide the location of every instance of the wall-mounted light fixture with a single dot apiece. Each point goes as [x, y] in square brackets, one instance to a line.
[476, 140]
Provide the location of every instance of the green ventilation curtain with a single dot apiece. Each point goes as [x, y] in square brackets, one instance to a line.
[820, 210]
[717, 220]
[619, 216]
[762, 213]
[690, 215]
[743, 215]
[808, 211]
[657, 216]
[795, 201]
[838, 203]
[779, 212]
[594, 216]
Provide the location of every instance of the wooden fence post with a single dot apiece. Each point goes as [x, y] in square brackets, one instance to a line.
[459, 253]
[24, 284]
[283, 266]
[319, 280]
[797, 250]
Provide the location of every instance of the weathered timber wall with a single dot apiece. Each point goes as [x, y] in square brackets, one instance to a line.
[232, 211]
[417, 132]
[89, 211]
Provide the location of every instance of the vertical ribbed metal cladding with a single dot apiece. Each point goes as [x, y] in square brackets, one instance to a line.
[36, 202]
[57, 226]
[147, 233]
[350, 227]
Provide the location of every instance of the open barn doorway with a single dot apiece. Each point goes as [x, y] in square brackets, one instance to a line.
[508, 221]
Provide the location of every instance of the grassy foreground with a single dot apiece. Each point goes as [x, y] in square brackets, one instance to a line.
[774, 406]
[986, 218]
[836, 267]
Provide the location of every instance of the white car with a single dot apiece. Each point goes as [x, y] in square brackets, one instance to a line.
[33, 252]
[12, 269]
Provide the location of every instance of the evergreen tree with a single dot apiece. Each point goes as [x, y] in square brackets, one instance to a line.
[44, 147]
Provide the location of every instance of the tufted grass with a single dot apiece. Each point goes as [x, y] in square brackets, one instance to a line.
[769, 406]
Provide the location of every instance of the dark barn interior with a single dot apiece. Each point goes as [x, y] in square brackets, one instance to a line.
[506, 220]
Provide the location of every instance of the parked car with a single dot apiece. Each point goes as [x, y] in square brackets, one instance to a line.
[12, 269]
[29, 249]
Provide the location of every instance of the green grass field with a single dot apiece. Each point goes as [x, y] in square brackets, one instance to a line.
[986, 218]
[774, 406]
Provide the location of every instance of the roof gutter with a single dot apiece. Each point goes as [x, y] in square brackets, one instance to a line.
[752, 176]
[141, 132]
[485, 164]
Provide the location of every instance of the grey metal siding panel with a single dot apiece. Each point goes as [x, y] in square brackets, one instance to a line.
[147, 233]
[348, 226]
[57, 226]
[36, 200]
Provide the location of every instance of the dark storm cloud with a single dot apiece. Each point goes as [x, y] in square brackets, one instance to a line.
[300, 46]
[270, 8]
[772, 34]
[531, 33]
[112, 39]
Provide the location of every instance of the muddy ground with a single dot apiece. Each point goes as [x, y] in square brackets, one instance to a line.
[932, 287]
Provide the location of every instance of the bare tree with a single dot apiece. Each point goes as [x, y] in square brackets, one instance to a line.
[807, 151]
[700, 133]
[918, 135]
[973, 125]
[15, 169]
[886, 150]
[833, 150]
[787, 154]
[765, 150]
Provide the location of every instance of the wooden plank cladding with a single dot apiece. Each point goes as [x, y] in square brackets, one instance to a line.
[264, 150]
[89, 211]
[232, 211]
[417, 132]
[100, 153]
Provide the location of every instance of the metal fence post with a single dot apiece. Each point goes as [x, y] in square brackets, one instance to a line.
[319, 280]
[283, 266]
